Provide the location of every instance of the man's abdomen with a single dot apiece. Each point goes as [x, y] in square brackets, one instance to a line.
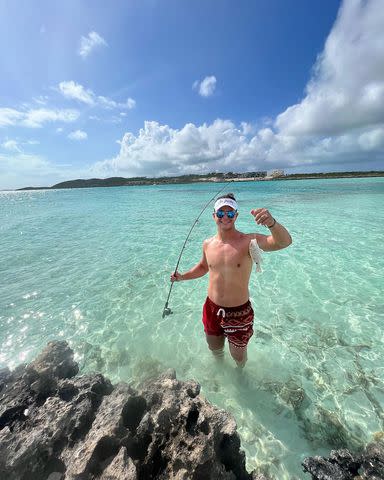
[227, 291]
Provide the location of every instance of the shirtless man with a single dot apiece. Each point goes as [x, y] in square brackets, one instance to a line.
[227, 312]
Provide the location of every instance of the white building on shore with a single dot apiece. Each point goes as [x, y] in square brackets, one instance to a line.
[276, 173]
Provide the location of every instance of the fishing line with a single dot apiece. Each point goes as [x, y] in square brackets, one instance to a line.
[167, 310]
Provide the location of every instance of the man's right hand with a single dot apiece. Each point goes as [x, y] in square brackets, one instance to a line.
[176, 277]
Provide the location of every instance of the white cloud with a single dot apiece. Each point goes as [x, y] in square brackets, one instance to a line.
[78, 135]
[108, 103]
[11, 145]
[9, 116]
[41, 100]
[130, 103]
[346, 90]
[206, 87]
[161, 150]
[35, 118]
[75, 91]
[89, 43]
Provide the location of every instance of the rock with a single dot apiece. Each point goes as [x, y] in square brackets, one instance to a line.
[322, 469]
[101, 439]
[187, 434]
[344, 465]
[121, 468]
[55, 360]
[5, 377]
[372, 462]
[56, 426]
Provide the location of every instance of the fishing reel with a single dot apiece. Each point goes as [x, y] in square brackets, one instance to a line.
[167, 311]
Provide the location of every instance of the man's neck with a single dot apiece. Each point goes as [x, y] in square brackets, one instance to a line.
[226, 235]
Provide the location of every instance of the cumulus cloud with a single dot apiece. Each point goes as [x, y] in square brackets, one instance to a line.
[89, 43]
[206, 87]
[75, 91]
[36, 118]
[159, 150]
[78, 135]
[162, 150]
[346, 90]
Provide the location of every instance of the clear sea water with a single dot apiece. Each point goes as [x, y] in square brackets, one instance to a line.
[92, 266]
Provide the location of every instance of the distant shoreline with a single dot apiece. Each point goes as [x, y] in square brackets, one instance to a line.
[211, 178]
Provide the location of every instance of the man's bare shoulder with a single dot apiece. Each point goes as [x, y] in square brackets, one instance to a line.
[208, 241]
[251, 236]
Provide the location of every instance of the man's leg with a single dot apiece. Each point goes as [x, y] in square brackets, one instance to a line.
[216, 345]
[239, 354]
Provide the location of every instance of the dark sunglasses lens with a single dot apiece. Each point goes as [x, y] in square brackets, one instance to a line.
[221, 213]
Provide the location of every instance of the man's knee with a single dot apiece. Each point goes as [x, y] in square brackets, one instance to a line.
[239, 355]
[217, 352]
[215, 342]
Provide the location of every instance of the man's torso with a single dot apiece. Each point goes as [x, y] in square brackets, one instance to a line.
[230, 267]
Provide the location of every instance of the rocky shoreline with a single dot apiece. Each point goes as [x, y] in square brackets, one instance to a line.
[55, 425]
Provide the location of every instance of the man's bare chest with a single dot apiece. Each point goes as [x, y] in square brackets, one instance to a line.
[227, 256]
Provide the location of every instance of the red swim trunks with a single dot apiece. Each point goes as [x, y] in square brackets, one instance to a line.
[234, 322]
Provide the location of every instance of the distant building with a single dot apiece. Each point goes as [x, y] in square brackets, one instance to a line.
[276, 173]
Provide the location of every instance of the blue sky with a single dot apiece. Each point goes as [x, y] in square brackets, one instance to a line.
[150, 88]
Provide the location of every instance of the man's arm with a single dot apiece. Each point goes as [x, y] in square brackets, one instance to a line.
[279, 237]
[197, 271]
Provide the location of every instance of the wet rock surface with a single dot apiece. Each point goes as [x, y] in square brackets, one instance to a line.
[343, 465]
[58, 426]
[55, 425]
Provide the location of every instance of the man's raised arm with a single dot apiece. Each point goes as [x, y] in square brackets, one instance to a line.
[279, 237]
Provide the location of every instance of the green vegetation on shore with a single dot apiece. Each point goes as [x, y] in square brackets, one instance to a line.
[208, 177]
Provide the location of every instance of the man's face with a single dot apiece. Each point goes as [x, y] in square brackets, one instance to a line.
[225, 221]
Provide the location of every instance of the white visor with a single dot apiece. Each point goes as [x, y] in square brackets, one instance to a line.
[222, 202]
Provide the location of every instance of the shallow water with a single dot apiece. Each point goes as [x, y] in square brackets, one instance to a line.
[92, 266]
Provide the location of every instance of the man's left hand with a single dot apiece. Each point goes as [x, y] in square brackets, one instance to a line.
[262, 217]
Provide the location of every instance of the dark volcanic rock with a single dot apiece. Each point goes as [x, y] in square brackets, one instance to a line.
[56, 426]
[343, 465]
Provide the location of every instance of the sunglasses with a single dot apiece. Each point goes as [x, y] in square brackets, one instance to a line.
[230, 213]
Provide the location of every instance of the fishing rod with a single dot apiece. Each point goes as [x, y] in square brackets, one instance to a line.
[167, 310]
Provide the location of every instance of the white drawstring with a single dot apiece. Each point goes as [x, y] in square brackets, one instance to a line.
[221, 311]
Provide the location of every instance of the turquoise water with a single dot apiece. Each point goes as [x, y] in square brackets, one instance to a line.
[92, 266]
